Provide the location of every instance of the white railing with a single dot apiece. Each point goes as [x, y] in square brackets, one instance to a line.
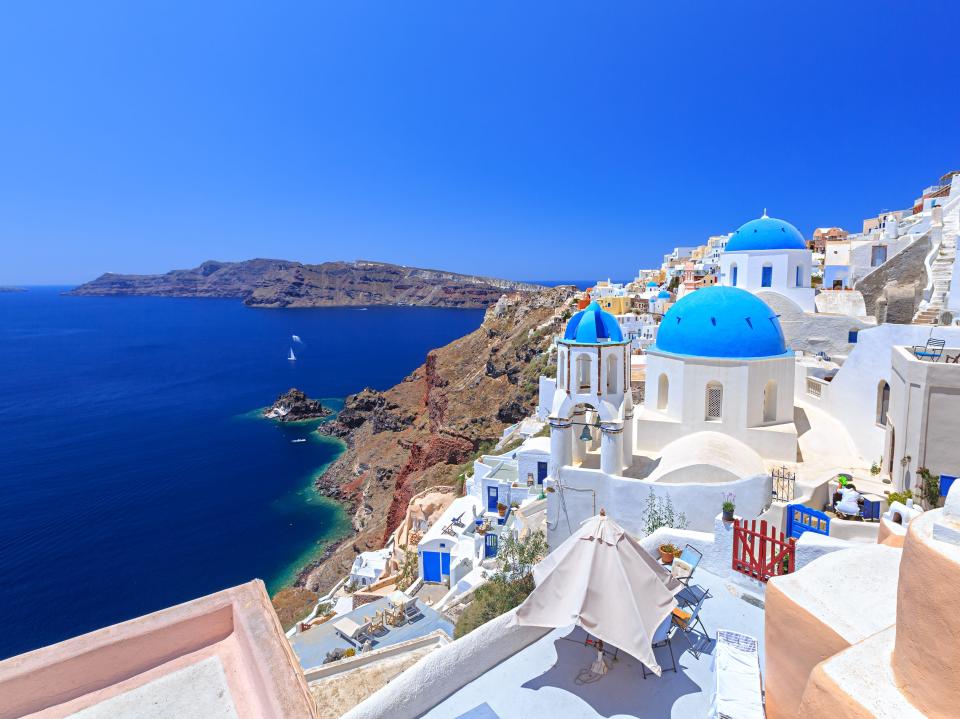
[815, 387]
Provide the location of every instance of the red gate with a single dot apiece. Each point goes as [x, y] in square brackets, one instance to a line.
[761, 554]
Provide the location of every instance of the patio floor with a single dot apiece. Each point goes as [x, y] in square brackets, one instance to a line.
[313, 645]
[542, 679]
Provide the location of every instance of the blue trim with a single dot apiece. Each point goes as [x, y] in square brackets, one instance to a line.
[445, 564]
[431, 566]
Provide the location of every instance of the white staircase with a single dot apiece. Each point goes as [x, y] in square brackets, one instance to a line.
[941, 268]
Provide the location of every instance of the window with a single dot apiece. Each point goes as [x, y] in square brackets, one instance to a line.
[663, 392]
[798, 282]
[561, 370]
[583, 373]
[878, 255]
[852, 336]
[770, 402]
[714, 401]
[766, 276]
[883, 402]
[612, 373]
[733, 274]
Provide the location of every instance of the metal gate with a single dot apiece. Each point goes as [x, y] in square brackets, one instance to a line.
[784, 482]
[801, 518]
[761, 553]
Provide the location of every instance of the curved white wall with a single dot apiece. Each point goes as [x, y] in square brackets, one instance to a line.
[784, 265]
[586, 492]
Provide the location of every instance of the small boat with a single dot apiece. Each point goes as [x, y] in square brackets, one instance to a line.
[297, 441]
[296, 338]
[292, 357]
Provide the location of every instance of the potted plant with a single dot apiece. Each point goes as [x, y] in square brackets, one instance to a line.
[728, 506]
[501, 508]
[667, 553]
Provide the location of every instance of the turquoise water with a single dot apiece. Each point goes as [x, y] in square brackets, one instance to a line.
[134, 471]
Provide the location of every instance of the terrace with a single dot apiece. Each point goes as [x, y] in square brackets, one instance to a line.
[313, 645]
[541, 680]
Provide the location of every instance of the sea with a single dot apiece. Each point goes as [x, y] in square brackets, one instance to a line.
[135, 469]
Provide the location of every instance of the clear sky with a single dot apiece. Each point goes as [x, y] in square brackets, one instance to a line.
[521, 139]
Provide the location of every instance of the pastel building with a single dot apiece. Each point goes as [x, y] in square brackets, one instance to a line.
[222, 655]
[769, 255]
[368, 567]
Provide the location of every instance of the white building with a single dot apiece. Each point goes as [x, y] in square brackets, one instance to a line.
[769, 255]
[368, 567]
[455, 543]
[593, 463]
[720, 365]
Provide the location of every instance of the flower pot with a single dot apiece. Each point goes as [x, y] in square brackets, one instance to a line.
[666, 557]
[728, 515]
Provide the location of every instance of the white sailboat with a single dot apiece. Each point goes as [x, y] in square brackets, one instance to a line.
[292, 357]
[296, 338]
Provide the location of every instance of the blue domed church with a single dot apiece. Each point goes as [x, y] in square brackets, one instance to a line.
[720, 364]
[769, 255]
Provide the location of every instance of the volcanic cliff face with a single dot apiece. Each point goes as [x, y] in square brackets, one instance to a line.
[420, 432]
[279, 283]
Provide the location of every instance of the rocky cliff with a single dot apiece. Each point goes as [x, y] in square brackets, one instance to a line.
[279, 283]
[421, 432]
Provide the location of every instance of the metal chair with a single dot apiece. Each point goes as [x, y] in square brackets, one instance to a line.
[692, 556]
[662, 636]
[686, 627]
[932, 350]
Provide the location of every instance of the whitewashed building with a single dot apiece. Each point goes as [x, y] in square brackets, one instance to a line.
[368, 567]
[769, 255]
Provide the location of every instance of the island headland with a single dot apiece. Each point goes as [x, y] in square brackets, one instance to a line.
[282, 283]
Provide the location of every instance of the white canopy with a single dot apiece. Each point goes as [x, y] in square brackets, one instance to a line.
[601, 579]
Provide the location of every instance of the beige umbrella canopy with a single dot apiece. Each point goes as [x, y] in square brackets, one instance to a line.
[601, 579]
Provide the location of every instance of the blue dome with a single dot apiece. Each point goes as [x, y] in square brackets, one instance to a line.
[651, 284]
[721, 322]
[664, 295]
[593, 326]
[767, 233]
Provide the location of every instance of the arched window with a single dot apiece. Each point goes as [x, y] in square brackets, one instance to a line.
[883, 402]
[798, 281]
[583, 372]
[733, 274]
[561, 370]
[714, 401]
[612, 374]
[663, 392]
[770, 401]
[766, 276]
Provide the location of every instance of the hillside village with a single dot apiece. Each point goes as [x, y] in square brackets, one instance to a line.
[725, 488]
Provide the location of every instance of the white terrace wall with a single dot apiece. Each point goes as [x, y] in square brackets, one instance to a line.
[852, 395]
[585, 491]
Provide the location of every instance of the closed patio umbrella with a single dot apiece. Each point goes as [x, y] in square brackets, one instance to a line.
[601, 579]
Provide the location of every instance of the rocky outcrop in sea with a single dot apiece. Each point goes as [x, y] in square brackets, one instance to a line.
[294, 406]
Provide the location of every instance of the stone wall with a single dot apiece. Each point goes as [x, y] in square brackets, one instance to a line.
[900, 281]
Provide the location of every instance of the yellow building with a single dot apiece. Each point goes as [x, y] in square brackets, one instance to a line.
[616, 305]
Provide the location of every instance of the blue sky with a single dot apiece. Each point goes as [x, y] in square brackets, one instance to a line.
[527, 140]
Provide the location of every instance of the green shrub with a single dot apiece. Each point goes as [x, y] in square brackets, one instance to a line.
[660, 513]
[901, 497]
[930, 484]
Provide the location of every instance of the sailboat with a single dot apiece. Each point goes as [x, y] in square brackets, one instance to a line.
[296, 338]
[292, 357]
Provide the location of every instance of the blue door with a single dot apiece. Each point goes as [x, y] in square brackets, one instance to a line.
[431, 566]
[492, 498]
[802, 519]
[490, 545]
[766, 277]
[445, 564]
[541, 472]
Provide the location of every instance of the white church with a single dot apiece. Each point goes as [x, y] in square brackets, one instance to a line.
[718, 405]
[769, 255]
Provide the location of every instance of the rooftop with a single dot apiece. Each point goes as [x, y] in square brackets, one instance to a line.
[313, 645]
[541, 680]
[223, 655]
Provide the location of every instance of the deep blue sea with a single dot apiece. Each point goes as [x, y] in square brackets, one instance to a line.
[134, 470]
